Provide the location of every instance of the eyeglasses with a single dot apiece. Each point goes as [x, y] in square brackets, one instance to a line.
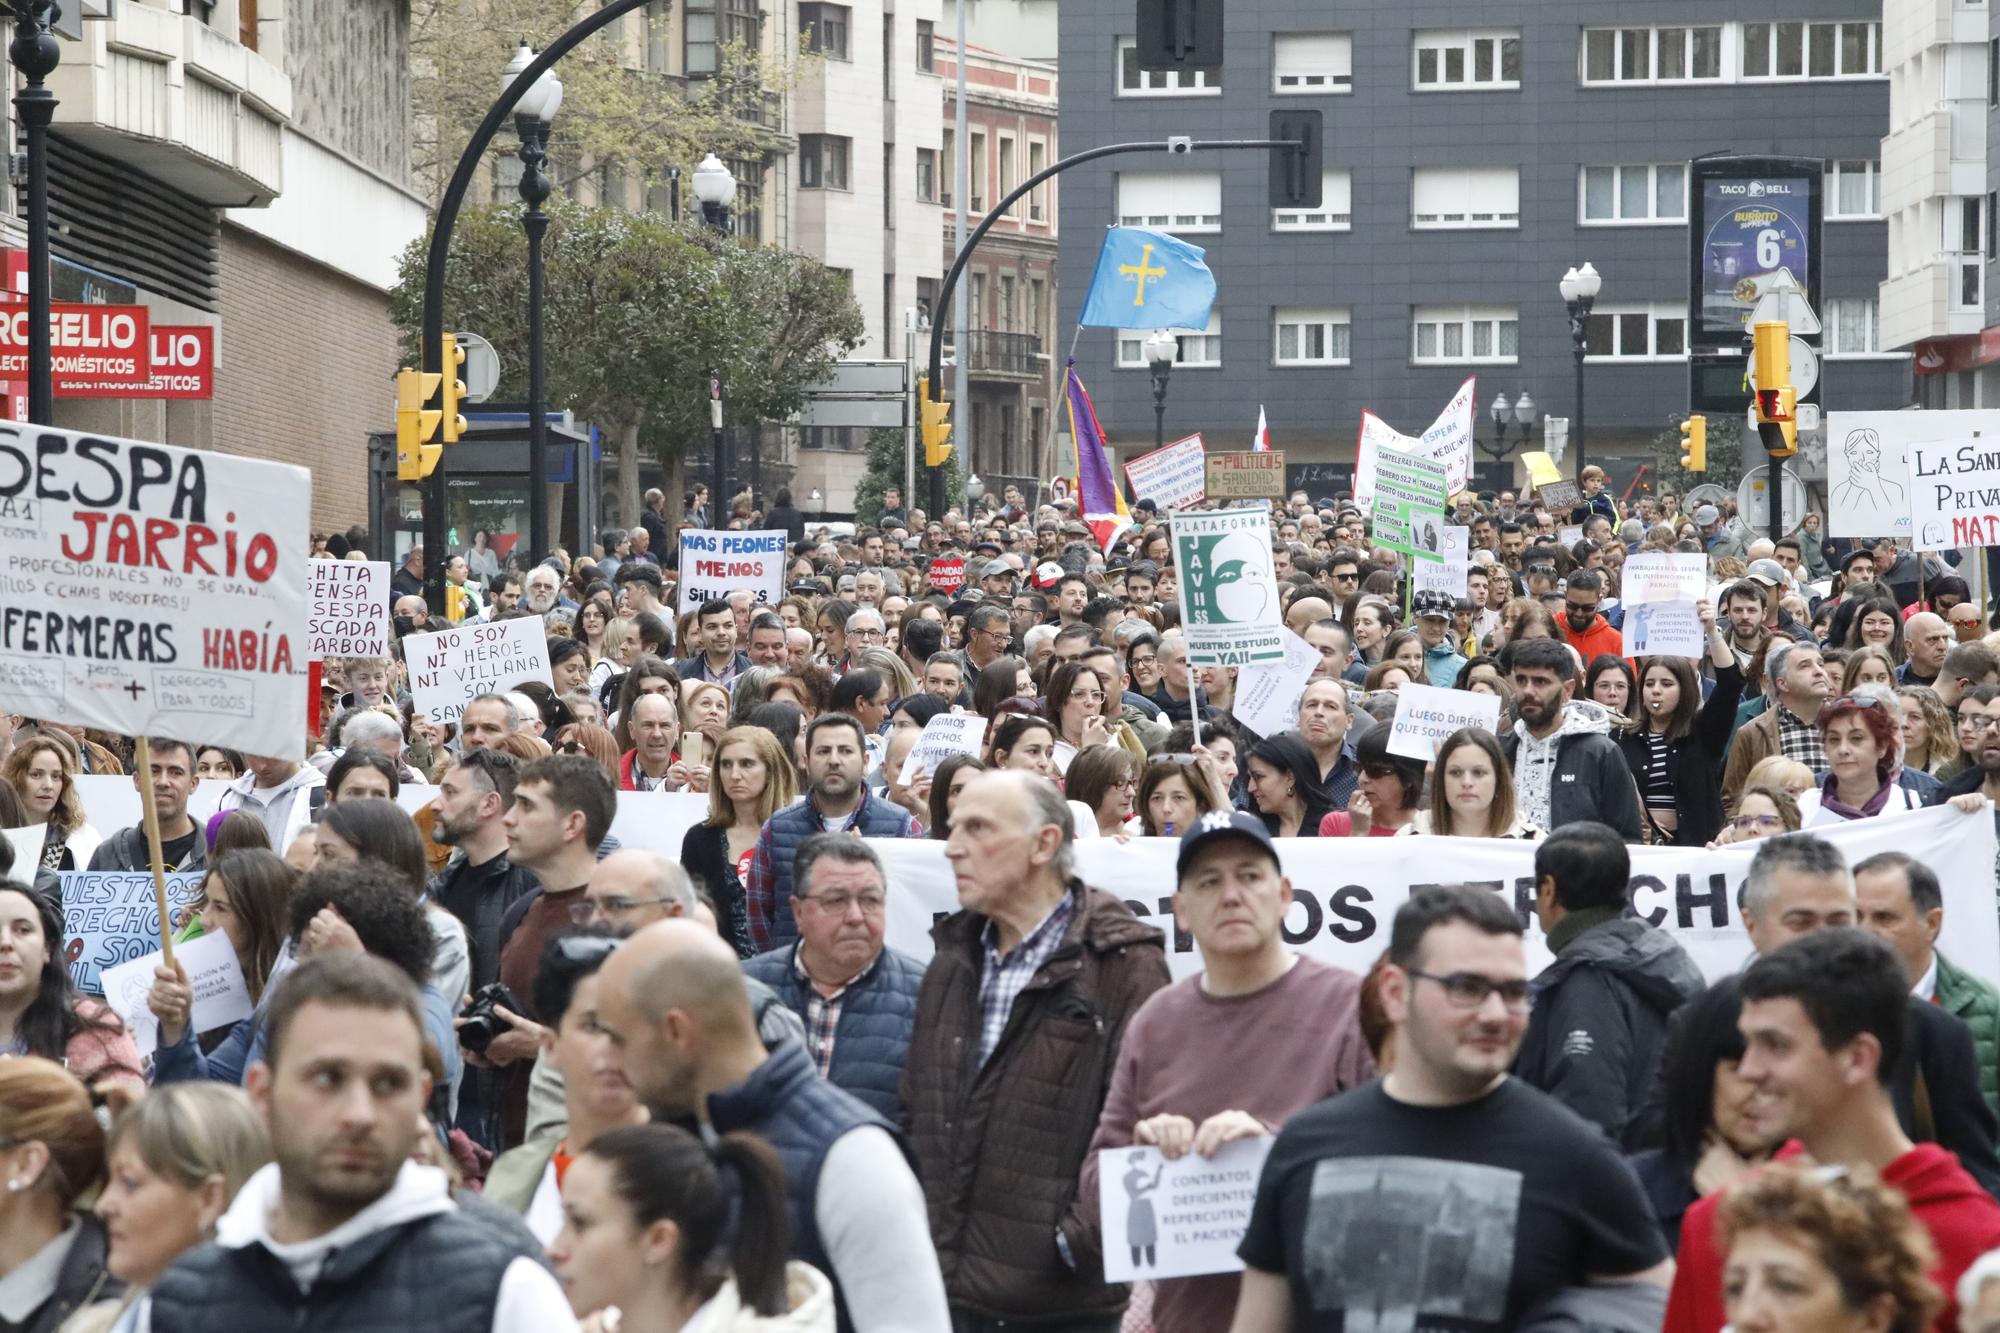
[1978, 722]
[1756, 823]
[583, 913]
[1377, 771]
[1468, 990]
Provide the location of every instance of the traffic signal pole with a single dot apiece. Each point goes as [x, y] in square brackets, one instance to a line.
[430, 349]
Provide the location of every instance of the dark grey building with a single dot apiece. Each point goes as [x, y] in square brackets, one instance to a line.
[1474, 153]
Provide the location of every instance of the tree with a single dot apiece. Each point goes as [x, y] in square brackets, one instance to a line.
[885, 469]
[1725, 456]
[638, 312]
[617, 109]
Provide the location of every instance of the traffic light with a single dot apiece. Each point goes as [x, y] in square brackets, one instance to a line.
[1297, 168]
[1694, 444]
[416, 426]
[452, 400]
[1777, 399]
[936, 425]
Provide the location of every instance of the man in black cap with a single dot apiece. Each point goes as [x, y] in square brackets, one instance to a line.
[996, 578]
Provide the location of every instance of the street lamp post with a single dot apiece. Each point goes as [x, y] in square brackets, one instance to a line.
[714, 189]
[1579, 292]
[1522, 412]
[1161, 349]
[36, 53]
[534, 117]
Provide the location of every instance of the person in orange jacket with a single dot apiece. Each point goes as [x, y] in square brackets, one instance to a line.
[1581, 626]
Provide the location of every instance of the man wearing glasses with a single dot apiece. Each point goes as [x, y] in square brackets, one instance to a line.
[856, 996]
[1444, 1148]
[1603, 1007]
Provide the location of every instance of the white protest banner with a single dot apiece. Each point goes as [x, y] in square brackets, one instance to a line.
[1665, 629]
[1868, 465]
[943, 736]
[1955, 491]
[151, 590]
[1182, 1218]
[1663, 576]
[717, 563]
[220, 995]
[1345, 891]
[27, 844]
[452, 667]
[1448, 441]
[1228, 587]
[347, 609]
[1409, 504]
[1268, 694]
[1448, 575]
[1173, 477]
[1425, 715]
[109, 917]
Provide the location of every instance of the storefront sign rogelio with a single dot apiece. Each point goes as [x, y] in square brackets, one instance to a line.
[152, 590]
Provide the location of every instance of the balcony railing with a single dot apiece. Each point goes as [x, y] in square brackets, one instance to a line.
[1002, 353]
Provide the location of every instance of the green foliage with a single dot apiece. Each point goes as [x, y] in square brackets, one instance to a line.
[615, 108]
[638, 311]
[885, 469]
[1725, 456]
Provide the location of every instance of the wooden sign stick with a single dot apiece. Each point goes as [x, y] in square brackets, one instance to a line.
[152, 820]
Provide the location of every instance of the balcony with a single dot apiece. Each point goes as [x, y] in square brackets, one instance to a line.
[998, 353]
[180, 101]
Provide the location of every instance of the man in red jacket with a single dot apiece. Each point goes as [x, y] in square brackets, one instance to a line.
[1823, 1024]
[1581, 627]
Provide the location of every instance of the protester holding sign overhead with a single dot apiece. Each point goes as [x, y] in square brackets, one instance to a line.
[1676, 751]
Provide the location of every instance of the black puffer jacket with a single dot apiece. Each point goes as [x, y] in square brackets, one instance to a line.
[1600, 1018]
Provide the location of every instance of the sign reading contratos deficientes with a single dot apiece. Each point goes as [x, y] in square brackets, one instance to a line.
[151, 590]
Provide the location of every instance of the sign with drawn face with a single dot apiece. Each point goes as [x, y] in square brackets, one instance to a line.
[1868, 477]
[1228, 588]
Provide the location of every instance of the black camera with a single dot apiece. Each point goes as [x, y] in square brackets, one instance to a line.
[481, 1024]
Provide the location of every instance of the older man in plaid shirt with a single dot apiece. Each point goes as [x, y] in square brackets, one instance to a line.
[1796, 678]
[1017, 1032]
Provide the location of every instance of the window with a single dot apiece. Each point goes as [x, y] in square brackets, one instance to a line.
[823, 30]
[1038, 304]
[948, 160]
[711, 24]
[1178, 201]
[1652, 55]
[1038, 198]
[927, 289]
[1459, 334]
[1993, 72]
[1006, 157]
[927, 168]
[889, 190]
[823, 161]
[975, 174]
[975, 302]
[1007, 302]
[1447, 60]
[1853, 326]
[1201, 349]
[1303, 337]
[926, 46]
[1812, 50]
[1637, 333]
[1463, 197]
[1312, 62]
[1633, 195]
[1136, 82]
[1853, 190]
[1335, 212]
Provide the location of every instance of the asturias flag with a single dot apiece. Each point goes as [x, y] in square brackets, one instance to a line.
[1148, 280]
[1097, 492]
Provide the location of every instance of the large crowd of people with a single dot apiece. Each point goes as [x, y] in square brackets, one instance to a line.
[503, 1071]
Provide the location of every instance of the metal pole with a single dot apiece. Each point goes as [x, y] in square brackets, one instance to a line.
[910, 408]
[1161, 369]
[535, 189]
[36, 53]
[715, 500]
[430, 352]
[961, 383]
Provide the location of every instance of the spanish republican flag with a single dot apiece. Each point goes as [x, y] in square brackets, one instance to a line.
[1097, 492]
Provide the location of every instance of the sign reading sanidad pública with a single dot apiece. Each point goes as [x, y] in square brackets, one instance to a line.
[1228, 590]
[152, 590]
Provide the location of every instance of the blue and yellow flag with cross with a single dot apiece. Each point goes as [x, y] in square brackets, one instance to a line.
[1148, 280]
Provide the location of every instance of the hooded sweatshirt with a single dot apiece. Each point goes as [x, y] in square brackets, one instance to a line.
[1597, 641]
[530, 1301]
[808, 1293]
[1577, 772]
[1962, 1220]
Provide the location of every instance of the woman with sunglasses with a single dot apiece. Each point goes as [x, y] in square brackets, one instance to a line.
[1865, 776]
[753, 779]
[1386, 796]
[1676, 751]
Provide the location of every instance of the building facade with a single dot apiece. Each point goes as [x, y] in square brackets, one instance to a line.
[1014, 363]
[1938, 188]
[1474, 154]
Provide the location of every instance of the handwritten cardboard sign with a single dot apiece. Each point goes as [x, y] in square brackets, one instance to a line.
[1425, 715]
[451, 668]
[347, 609]
[716, 563]
[109, 917]
[945, 735]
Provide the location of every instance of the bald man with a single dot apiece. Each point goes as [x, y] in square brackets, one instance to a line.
[1927, 637]
[1306, 611]
[673, 999]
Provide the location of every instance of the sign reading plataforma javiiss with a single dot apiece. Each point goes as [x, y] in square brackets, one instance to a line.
[153, 591]
[1228, 589]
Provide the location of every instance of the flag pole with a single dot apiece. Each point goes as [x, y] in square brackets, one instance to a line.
[150, 813]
